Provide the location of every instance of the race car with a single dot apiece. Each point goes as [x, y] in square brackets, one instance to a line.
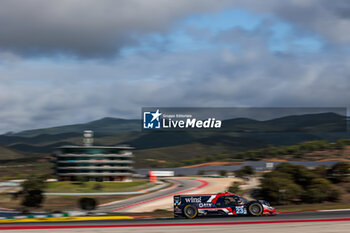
[191, 206]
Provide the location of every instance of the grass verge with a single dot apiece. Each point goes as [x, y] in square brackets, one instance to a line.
[94, 187]
[310, 207]
[58, 203]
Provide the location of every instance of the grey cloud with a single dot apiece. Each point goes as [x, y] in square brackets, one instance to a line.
[225, 78]
[87, 28]
[36, 93]
[102, 28]
[329, 19]
[340, 8]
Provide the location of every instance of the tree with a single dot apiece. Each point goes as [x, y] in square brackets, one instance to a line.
[280, 190]
[288, 183]
[201, 172]
[98, 187]
[300, 174]
[234, 188]
[320, 190]
[32, 192]
[340, 172]
[223, 172]
[321, 171]
[340, 144]
[292, 150]
[86, 203]
[278, 174]
[33, 198]
[80, 180]
[245, 171]
[249, 170]
[239, 155]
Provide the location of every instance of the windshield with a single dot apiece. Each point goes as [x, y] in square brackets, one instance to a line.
[242, 199]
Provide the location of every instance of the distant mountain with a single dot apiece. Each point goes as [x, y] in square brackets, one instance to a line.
[321, 122]
[324, 122]
[103, 126]
[241, 134]
[39, 139]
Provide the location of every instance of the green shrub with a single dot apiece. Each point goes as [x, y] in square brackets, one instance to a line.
[288, 183]
[245, 171]
[340, 172]
[300, 174]
[98, 187]
[32, 192]
[318, 191]
[347, 187]
[201, 172]
[321, 171]
[223, 172]
[234, 188]
[280, 190]
[333, 195]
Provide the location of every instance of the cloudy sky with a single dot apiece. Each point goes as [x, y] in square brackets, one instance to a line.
[72, 61]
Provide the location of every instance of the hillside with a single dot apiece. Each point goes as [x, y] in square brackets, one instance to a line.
[8, 154]
[322, 122]
[318, 150]
[172, 146]
[104, 126]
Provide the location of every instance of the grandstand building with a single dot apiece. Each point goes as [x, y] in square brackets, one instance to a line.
[93, 163]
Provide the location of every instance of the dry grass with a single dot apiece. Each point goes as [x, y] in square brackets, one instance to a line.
[57, 203]
[54, 203]
[213, 164]
[94, 187]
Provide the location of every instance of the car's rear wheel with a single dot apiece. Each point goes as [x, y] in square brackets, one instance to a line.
[255, 209]
[190, 211]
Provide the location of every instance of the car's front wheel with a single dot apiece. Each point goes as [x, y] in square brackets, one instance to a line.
[255, 209]
[190, 211]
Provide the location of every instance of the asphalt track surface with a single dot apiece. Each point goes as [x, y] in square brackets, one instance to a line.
[178, 186]
[332, 216]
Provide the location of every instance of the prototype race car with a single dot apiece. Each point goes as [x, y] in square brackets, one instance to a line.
[191, 206]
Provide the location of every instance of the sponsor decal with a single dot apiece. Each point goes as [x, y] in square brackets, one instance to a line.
[177, 202]
[193, 199]
[204, 205]
[241, 210]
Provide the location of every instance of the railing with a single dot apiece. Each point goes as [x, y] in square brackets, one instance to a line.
[97, 161]
[96, 174]
[95, 168]
[125, 155]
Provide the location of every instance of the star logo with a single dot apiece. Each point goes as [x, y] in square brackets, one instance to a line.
[156, 115]
[152, 120]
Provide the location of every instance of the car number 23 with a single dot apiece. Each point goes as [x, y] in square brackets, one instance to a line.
[240, 210]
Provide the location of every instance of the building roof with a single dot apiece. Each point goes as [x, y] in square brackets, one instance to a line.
[98, 147]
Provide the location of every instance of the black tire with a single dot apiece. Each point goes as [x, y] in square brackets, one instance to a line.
[255, 209]
[190, 211]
